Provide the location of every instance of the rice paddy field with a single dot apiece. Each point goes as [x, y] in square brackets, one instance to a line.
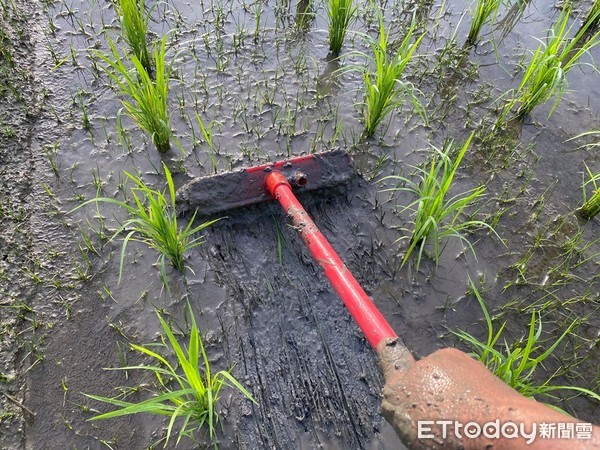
[506, 114]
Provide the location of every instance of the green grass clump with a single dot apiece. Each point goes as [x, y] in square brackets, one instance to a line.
[134, 28]
[546, 74]
[384, 87]
[153, 221]
[340, 15]
[516, 364]
[484, 11]
[591, 208]
[437, 217]
[147, 98]
[187, 390]
[591, 205]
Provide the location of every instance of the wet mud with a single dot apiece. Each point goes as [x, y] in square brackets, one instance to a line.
[318, 379]
[17, 116]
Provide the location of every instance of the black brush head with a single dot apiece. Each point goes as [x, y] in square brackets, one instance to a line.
[222, 192]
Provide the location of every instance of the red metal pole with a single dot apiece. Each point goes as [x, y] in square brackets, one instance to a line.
[368, 317]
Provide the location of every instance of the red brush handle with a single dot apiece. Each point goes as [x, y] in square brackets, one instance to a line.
[368, 317]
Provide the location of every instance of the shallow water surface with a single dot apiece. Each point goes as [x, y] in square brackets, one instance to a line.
[272, 92]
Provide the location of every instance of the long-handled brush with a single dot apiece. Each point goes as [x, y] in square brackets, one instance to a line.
[219, 193]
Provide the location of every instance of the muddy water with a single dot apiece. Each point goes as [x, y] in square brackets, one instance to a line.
[261, 301]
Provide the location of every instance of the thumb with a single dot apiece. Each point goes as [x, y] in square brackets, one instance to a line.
[394, 357]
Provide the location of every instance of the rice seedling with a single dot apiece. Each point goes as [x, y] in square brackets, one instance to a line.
[187, 389]
[153, 221]
[147, 103]
[516, 364]
[484, 11]
[384, 87]
[134, 28]
[437, 217]
[340, 15]
[593, 18]
[512, 15]
[304, 15]
[546, 74]
[591, 205]
[6, 58]
[258, 10]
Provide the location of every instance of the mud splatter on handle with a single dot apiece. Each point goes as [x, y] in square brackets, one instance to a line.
[367, 316]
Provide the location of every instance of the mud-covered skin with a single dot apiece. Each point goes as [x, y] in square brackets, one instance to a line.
[449, 385]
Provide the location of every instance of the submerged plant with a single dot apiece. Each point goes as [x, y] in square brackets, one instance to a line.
[384, 87]
[546, 74]
[187, 390]
[436, 216]
[340, 15]
[484, 11]
[516, 364]
[147, 102]
[153, 221]
[134, 28]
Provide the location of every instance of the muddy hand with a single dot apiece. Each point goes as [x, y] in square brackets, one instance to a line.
[449, 387]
